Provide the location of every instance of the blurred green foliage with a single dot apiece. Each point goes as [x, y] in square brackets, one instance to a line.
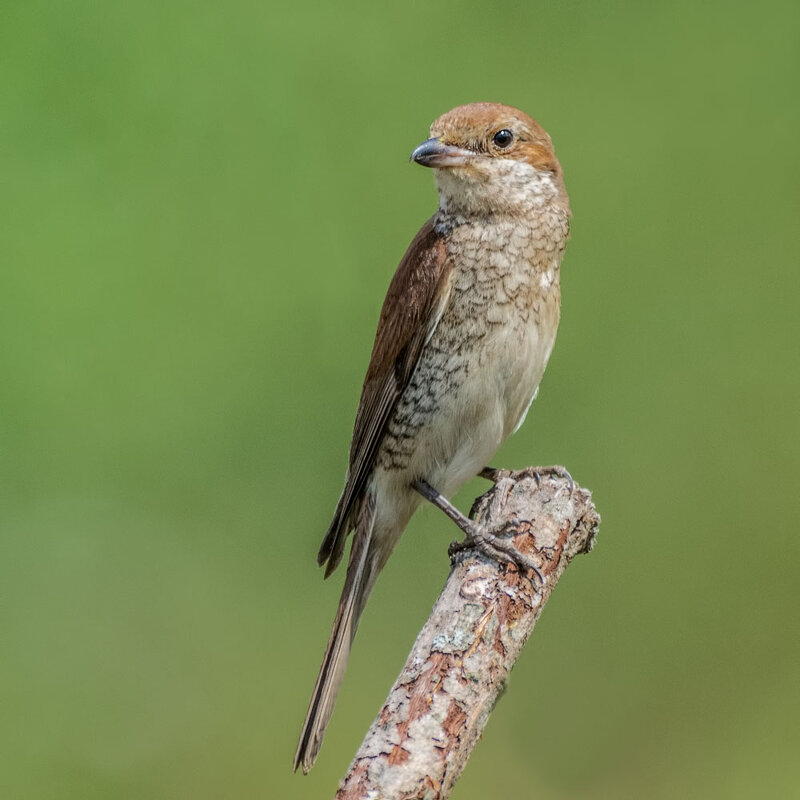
[202, 206]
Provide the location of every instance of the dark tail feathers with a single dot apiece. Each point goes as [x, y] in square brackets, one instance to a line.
[361, 575]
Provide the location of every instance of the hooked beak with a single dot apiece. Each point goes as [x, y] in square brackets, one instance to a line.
[434, 153]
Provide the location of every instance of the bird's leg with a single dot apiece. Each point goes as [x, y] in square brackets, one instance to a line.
[478, 537]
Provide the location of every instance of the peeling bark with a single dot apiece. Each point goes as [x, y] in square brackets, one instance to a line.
[419, 744]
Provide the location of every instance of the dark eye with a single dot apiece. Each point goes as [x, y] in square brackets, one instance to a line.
[503, 138]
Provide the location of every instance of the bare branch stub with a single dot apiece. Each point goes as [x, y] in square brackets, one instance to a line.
[419, 744]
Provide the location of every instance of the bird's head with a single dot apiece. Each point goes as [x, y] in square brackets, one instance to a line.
[492, 159]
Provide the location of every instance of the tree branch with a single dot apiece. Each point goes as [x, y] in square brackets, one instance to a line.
[421, 740]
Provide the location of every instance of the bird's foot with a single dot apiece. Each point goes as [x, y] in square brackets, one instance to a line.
[480, 537]
[537, 473]
[494, 474]
[494, 546]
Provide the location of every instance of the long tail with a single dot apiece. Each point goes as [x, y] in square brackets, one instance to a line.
[361, 574]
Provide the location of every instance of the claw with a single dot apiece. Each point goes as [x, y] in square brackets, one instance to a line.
[557, 471]
[496, 549]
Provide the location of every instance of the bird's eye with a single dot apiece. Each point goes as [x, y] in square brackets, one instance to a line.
[503, 138]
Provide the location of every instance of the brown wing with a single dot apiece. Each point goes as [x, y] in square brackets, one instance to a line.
[414, 303]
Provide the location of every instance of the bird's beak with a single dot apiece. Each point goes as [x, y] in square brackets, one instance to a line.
[434, 153]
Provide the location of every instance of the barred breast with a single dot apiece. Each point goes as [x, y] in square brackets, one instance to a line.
[478, 374]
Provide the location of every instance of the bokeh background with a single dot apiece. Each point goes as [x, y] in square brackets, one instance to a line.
[202, 205]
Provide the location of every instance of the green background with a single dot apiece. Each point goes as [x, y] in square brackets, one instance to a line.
[202, 205]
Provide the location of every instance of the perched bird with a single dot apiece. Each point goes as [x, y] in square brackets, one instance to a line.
[465, 333]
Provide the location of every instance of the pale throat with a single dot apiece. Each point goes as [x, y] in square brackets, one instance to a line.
[500, 187]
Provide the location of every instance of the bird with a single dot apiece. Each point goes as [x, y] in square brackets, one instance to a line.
[464, 335]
